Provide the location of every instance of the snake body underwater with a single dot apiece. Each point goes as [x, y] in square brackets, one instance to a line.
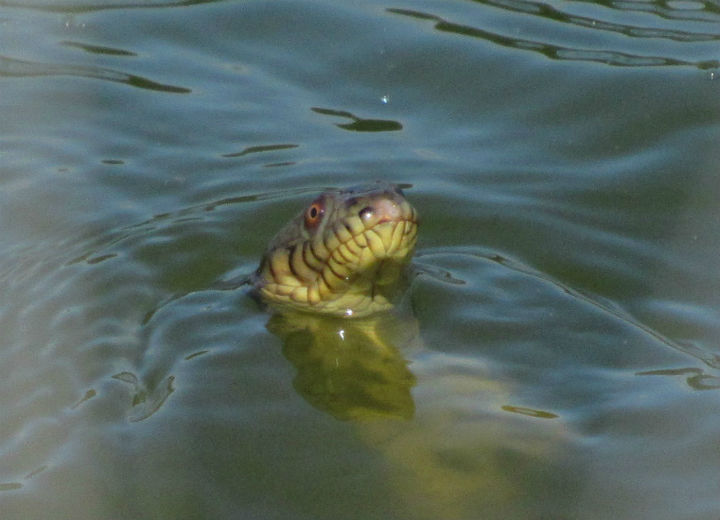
[439, 420]
[344, 255]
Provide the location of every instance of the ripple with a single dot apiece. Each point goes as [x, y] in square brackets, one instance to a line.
[530, 412]
[359, 124]
[704, 11]
[606, 308]
[78, 6]
[696, 378]
[10, 67]
[558, 52]
[98, 49]
[146, 402]
[551, 13]
[258, 149]
[73, 329]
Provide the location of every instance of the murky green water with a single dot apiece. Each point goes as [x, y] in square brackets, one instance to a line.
[558, 359]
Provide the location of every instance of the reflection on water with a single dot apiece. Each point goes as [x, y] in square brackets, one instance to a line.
[659, 8]
[351, 369]
[99, 49]
[696, 378]
[145, 402]
[442, 461]
[262, 148]
[360, 124]
[84, 6]
[559, 52]
[10, 67]
[692, 10]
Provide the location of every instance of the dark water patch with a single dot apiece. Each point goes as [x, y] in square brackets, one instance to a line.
[258, 149]
[101, 258]
[696, 378]
[196, 354]
[358, 124]
[530, 412]
[279, 164]
[98, 49]
[14, 68]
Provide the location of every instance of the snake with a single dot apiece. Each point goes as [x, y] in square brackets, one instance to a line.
[345, 254]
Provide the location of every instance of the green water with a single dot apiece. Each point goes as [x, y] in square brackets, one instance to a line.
[559, 354]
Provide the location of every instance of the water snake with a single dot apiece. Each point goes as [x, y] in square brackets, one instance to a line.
[437, 418]
[343, 255]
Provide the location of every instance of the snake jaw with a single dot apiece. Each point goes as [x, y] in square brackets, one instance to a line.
[349, 264]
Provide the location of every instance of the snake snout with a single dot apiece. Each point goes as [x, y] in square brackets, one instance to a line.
[381, 210]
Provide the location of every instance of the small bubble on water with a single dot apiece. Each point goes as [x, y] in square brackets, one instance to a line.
[71, 23]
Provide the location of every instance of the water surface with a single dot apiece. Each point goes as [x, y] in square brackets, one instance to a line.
[558, 357]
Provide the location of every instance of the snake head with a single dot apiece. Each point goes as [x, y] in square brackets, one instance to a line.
[345, 254]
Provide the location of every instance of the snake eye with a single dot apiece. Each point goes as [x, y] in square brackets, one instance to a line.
[314, 214]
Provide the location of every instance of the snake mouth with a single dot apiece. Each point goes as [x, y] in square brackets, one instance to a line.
[358, 273]
[364, 254]
[349, 264]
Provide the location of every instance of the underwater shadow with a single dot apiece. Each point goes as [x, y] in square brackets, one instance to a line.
[350, 369]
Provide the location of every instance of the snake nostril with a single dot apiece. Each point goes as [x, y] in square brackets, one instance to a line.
[365, 213]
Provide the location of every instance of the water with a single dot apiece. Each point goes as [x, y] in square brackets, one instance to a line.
[559, 357]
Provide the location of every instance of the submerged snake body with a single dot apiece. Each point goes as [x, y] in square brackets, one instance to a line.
[344, 255]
